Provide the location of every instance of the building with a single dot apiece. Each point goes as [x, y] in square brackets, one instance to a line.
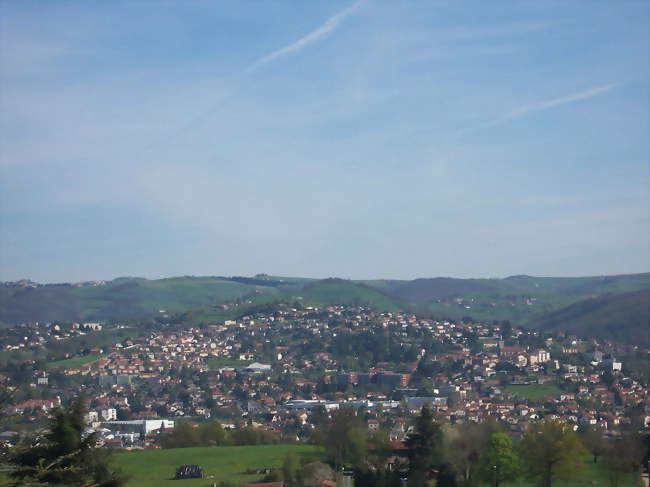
[142, 426]
[109, 414]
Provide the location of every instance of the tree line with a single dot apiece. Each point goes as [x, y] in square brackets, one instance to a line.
[475, 454]
[187, 434]
[465, 455]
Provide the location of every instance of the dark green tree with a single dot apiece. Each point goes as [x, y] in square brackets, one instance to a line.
[64, 455]
[425, 448]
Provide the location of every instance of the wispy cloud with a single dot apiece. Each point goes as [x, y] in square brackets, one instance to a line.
[545, 105]
[329, 26]
[525, 110]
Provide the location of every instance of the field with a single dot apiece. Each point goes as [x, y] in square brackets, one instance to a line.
[156, 467]
[534, 392]
[217, 363]
[152, 468]
[71, 363]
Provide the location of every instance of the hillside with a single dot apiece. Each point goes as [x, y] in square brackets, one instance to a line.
[339, 291]
[120, 298]
[519, 299]
[622, 318]
[544, 302]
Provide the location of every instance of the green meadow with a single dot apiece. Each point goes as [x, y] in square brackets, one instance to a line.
[534, 392]
[152, 468]
[71, 363]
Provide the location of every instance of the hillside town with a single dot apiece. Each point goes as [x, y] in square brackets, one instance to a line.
[282, 370]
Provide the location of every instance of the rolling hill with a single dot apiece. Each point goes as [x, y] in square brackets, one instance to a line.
[621, 318]
[541, 302]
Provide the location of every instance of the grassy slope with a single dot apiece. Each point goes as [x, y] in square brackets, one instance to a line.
[339, 291]
[75, 361]
[488, 299]
[117, 299]
[152, 468]
[172, 295]
[499, 299]
[623, 317]
[101, 339]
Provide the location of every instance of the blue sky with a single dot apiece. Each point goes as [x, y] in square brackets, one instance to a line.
[360, 140]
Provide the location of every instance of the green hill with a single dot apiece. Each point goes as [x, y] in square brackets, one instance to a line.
[120, 298]
[520, 299]
[339, 291]
[621, 317]
[524, 300]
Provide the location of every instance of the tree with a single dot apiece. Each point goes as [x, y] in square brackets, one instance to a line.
[593, 440]
[425, 448]
[212, 433]
[499, 462]
[552, 451]
[290, 468]
[623, 458]
[465, 444]
[315, 473]
[183, 435]
[64, 455]
[446, 476]
[345, 443]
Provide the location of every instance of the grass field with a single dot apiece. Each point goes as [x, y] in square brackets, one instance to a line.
[156, 467]
[216, 363]
[152, 468]
[71, 363]
[534, 392]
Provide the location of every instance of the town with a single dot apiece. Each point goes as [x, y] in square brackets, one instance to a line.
[282, 369]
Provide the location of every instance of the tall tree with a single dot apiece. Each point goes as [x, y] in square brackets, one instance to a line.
[425, 448]
[593, 439]
[465, 444]
[345, 443]
[290, 468]
[623, 458]
[500, 462]
[552, 451]
[65, 455]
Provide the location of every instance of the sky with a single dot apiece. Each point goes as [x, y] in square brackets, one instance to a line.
[368, 139]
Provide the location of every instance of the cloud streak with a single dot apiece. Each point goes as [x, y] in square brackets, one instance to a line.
[545, 105]
[525, 110]
[329, 26]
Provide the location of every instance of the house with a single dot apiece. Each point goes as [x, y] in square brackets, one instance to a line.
[257, 368]
[109, 414]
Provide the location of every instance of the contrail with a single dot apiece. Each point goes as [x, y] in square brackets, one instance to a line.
[329, 26]
[536, 107]
[324, 30]
[524, 110]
